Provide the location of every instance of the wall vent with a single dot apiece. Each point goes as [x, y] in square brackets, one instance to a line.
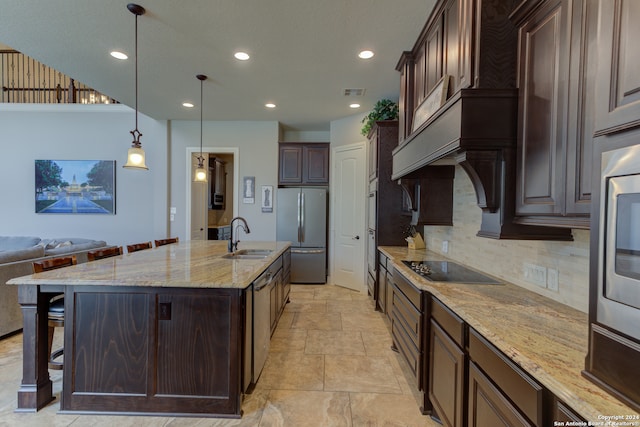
[354, 92]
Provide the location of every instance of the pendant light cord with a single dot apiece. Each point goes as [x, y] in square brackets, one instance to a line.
[201, 108]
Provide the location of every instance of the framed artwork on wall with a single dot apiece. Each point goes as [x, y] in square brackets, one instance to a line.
[248, 189]
[267, 198]
[75, 187]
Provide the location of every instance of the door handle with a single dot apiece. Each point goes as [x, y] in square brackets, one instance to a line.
[356, 238]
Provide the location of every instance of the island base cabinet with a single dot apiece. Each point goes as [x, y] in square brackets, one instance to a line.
[152, 350]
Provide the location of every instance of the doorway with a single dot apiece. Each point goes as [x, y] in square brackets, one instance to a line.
[199, 212]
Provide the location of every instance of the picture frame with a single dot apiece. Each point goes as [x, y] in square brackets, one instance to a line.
[267, 198]
[434, 100]
[248, 189]
[75, 187]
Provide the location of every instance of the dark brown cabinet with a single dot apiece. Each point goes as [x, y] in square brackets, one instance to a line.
[407, 316]
[500, 393]
[219, 233]
[557, 66]
[447, 365]
[153, 350]
[387, 221]
[303, 164]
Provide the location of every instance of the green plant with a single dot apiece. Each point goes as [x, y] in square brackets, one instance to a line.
[385, 109]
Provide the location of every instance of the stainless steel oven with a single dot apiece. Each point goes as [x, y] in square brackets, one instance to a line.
[618, 302]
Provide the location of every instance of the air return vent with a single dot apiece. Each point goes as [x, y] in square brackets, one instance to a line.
[354, 92]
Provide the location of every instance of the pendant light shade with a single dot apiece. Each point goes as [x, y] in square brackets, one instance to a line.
[200, 174]
[135, 157]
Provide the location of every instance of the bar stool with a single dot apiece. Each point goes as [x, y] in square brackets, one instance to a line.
[104, 253]
[168, 241]
[138, 247]
[56, 305]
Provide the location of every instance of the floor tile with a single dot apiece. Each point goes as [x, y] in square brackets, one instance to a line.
[321, 321]
[360, 374]
[334, 342]
[293, 371]
[374, 409]
[320, 409]
[288, 340]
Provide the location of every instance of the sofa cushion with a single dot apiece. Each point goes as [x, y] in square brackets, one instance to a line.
[21, 254]
[68, 245]
[10, 243]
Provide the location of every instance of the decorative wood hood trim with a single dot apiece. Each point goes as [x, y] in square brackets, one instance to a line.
[477, 128]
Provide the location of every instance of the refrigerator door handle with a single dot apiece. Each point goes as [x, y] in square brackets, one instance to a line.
[299, 205]
[302, 219]
[307, 251]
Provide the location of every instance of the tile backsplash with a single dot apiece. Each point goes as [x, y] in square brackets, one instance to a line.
[506, 259]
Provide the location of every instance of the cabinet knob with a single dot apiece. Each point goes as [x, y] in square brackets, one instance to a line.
[356, 238]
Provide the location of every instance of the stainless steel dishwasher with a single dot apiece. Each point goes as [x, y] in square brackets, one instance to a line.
[261, 321]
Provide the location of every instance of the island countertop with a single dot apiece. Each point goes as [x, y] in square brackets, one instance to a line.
[193, 264]
[546, 339]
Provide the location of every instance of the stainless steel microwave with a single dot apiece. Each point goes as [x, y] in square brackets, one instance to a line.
[618, 302]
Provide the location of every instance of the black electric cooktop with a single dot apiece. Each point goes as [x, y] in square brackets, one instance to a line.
[447, 271]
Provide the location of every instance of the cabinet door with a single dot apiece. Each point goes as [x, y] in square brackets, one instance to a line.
[488, 406]
[389, 297]
[618, 78]
[315, 165]
[446, 379]
[382, 288]
[273, 305]
[543, 68]
[290, 164]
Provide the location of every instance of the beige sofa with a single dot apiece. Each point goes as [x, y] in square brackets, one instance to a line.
[17, 253]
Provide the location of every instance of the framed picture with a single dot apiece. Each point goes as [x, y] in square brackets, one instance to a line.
[267, 198]
[75, 186]
[248, 189]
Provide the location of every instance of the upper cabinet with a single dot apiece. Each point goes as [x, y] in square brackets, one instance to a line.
[556, 76]
[303, 164]
[618, 76]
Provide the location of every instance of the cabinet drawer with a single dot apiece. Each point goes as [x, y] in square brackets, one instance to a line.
[407, 315]
[448, 321]
[411, 292]
[523, 391]
[382, 260]
[406, 346]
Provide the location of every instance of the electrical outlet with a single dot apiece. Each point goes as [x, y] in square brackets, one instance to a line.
[552, 279]
[445, 246]
[535, 274]
[172, 210]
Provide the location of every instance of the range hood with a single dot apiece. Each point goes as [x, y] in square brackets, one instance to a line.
[476, 128]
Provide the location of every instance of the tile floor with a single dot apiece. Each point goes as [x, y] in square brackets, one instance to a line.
[330, 364]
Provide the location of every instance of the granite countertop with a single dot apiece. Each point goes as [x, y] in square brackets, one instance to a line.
[191, 264]
[545, 338]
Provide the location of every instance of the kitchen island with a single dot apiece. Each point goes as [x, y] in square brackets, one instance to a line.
[160, 331]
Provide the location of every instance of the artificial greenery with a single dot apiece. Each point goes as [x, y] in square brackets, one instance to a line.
[385, 109]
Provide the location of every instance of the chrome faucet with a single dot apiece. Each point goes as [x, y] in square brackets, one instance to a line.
[232, 246]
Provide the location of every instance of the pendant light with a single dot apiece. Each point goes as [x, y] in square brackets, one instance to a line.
[135, 157]
[201, 172]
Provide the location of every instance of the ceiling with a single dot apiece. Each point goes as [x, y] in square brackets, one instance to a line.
[303, 53]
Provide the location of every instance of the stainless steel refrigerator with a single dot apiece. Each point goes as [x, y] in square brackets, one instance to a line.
[302, 220]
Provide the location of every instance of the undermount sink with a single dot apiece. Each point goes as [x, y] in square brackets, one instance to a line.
[248, 254]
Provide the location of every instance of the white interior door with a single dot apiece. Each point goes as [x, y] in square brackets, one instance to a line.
[348, 201]
[199, 206]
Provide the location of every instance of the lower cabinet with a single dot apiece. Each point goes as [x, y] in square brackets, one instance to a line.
[407, 311]
[447, 360]
[500, 393]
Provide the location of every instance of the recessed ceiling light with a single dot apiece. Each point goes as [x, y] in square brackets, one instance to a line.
[187, 104]
[354, 105]
[270, 105]
[119, 55]
[366, 54]
[242, 56]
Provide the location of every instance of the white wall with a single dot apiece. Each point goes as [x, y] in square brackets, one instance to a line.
[257, 143]
[82, 132]
[347, 130]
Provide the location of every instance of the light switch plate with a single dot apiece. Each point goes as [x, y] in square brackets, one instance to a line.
[445, 246]
[552, 279]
